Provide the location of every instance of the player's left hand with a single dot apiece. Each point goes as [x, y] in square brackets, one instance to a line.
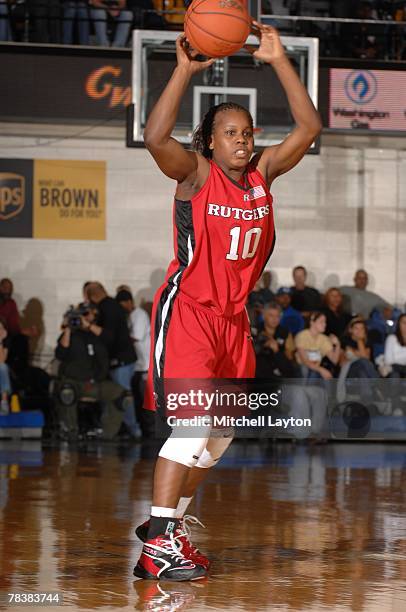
[270, 47]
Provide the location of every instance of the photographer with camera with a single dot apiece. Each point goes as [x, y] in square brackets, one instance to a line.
[101, 11]
[112, 329]
[84, 375]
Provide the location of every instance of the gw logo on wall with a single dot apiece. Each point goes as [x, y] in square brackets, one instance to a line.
[52, 199]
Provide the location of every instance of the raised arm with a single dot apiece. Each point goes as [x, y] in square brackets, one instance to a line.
[169, 154]
[278, 159]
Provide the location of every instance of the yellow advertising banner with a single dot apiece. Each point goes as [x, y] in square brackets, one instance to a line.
[69, 199]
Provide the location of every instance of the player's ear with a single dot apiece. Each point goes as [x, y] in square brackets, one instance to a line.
[211, 143]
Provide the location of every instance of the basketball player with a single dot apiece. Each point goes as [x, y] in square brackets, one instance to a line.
[224, 235]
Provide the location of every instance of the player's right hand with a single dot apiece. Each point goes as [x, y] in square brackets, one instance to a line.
[185, 56]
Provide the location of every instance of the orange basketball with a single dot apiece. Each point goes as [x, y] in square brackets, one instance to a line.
[217, 28]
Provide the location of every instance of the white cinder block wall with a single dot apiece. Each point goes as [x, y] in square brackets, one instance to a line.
[343, 209]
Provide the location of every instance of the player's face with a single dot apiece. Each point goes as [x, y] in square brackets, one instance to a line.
[232, 140]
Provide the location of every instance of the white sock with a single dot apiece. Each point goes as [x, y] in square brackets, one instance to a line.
[164, 512]
[182, 506]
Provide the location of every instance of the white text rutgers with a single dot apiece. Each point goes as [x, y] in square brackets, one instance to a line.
[243, 214]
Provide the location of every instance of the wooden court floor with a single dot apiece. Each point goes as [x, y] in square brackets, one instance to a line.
[288, 528]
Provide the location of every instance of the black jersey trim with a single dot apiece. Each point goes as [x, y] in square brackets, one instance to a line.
[162, 320]
[185, 249]
[185, 231]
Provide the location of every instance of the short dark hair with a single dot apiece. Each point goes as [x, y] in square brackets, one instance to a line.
[202, 134]
[299, 268]
[273, 306]
[314, 316]
[123, 296]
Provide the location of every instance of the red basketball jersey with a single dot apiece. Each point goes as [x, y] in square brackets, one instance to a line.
[223, 238]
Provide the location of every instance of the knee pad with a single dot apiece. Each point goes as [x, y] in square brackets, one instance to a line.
[67, 394]
[215, 447]
[186, 451]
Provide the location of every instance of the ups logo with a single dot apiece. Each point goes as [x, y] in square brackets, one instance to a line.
[12, 194]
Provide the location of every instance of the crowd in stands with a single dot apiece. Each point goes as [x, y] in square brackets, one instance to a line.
[98, 375]
[101, 22]
[355, 40]
[108, 22]
[349, 334]
[96, 386]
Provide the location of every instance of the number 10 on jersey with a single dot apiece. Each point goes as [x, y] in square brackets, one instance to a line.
[249, 245]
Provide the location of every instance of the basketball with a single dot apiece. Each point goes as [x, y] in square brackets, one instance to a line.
[217, 28]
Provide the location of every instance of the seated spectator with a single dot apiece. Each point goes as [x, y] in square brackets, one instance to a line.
[317, 356]
[291, 319]
[355, 342]
[8, 307]
[259, 296]
[363, 39]
[265, 292]
[321, 29]
[75, 9]
[305, 299]
[145, 14]
[279, 7]
[255, 307]
[317, 353]
[173, 11]
[18, 353]
[359, 301]
[255, 297]
[5, 29]
[83, 373]
[5, 385]
[395, 349]
[45, 19]
[123, 288]
[114, 333]
[274, 347]
[358, 350]
[395, 359]
[100, 11]
[337, 319]
[140, 331]
[358, 353]
[380, 324]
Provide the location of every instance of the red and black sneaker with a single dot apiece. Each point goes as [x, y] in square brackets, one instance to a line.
[183, 540]
[161, 559]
